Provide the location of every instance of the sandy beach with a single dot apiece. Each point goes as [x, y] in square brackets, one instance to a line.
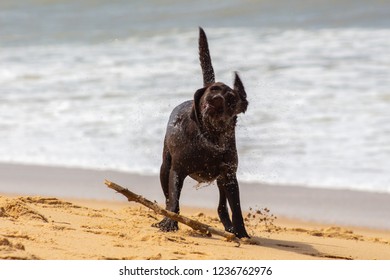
[91, 84]
[62, 213]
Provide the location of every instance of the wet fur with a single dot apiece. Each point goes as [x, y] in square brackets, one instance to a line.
[200, 143]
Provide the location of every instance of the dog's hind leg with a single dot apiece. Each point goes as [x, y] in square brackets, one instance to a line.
[164, 180]
[164, 174]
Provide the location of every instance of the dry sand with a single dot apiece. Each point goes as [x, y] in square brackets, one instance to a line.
[65, 213]
[50, 228]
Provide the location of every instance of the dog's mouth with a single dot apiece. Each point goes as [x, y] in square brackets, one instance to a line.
[215, 107]
[216, 113]
[214, 110]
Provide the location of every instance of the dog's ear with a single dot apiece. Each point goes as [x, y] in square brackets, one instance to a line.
[205, 59]
[239, 88]
[195, 111]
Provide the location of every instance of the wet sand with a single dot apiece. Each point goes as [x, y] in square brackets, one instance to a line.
[343, 207]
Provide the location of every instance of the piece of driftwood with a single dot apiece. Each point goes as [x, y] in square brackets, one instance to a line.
[203, 228]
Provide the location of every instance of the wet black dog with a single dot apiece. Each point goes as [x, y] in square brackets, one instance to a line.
[200, 143]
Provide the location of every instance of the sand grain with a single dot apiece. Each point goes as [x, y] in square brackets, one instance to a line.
[51, 228]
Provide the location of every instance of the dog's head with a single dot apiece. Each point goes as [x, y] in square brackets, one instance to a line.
[216, 105]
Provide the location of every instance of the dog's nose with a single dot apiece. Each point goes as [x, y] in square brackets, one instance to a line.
[217, 101]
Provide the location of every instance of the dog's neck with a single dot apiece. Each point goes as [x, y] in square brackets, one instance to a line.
[227, 127]
[220, 138]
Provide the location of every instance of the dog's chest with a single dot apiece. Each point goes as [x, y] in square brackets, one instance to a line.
[203, 177]
[206, 173]
[207, 166]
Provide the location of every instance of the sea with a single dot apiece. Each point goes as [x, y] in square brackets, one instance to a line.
[91, 84]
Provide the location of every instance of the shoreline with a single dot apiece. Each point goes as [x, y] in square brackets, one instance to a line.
[341, 207]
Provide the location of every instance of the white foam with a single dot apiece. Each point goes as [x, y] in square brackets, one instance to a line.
[318, 112]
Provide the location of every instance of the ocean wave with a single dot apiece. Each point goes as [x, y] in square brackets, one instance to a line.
[318, 113]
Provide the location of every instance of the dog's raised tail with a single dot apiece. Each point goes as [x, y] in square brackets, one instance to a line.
[205, 59]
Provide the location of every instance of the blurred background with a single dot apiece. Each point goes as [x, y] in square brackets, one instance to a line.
[91, 84]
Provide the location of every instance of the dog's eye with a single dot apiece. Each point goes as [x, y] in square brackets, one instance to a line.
[231, 99]
[215, 88]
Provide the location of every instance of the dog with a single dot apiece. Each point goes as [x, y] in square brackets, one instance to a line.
[200, 143]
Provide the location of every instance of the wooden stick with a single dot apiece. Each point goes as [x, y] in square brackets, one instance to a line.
[204, 228]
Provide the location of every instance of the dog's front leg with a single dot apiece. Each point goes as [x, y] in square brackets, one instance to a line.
[175, 185]
[223, 212]
[230, 185]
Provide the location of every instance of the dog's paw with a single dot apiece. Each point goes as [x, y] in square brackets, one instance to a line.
[167, 225]
[242, 234]
[230, 229]
[239, 233]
